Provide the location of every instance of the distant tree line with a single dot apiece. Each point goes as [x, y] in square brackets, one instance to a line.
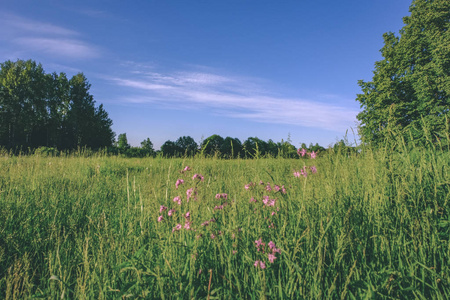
[39, 109]
[214, 146]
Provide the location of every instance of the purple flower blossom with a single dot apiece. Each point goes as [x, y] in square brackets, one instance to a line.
[268, 187]
[313, 155]
[313, 169]
[176, 228]
[178, 183]
[187, 168]
[283, 189]
[177, 199]
[250, 185]
[187, 216]
[198, 176]
[223, 195]
[213, 236]
[160, 218]
[190, 192]
[162, 208]
[260, 264]
[301, 152]
[268, 202]
[271, 258]
[187, 225]
[303, 172]
[276, 188]
[218, 207]
[296, 174]
[171, 212]
[252, 200]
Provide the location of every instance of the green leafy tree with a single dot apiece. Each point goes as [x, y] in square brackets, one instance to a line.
[22, 103]
[212, 144]
[122, 142]
[38, 109]
[409, 92]
[231, 147]
[147, 145]
[170, 149]
[186, 145]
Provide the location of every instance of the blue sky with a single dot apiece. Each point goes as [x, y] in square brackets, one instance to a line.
[244, 68]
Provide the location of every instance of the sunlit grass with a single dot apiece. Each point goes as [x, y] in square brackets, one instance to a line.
[369, 224]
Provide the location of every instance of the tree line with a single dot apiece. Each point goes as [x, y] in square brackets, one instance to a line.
[215, 146]
[39, 109]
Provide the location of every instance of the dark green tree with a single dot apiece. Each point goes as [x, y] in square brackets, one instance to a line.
[409, 92]
[212, 144]
[170, 149]
[231, 147]
[186, 145]
[38, 109]
[147, 145]
[23, 96]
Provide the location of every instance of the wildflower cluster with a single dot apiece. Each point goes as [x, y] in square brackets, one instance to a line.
[304, 171]
[261, 247]
[302, 152]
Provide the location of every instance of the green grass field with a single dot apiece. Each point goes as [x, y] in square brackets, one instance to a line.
[367, 225]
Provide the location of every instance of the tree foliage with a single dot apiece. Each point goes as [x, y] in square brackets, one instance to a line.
[409, 92]
[39, 109]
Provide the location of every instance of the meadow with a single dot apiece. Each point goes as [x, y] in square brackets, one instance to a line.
[345, 225]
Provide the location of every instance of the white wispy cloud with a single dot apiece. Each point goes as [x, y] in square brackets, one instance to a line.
[233, 96]
[22, 35]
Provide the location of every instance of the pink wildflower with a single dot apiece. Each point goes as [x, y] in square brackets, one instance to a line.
[261, 182]
[190, 192]
[301, 152]
[178, 227]
[256, 264]
[253, 200]
[213, 236]
[271, 245]
[303, 172]
[160, 218]
[187, 225]
[179, 182]
[259, 242]
[187, 168]
[223, 195]
[162, 208]
[262, 265]
[187, 216]
[276, 188]
[170, 212]
[313, 169]
[206, 223]
[250, 185]
[283, 189]
[268, 187]
[274, 213]
[234, 252]
[218, 207]
[177, 199]
[313, 155]
[271, 258]
[268, 202]
[296, 174]
[198, 176]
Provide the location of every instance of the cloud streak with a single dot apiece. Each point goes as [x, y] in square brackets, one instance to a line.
[21, 35]
[232, 96]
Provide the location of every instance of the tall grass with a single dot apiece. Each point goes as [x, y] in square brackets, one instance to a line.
[372, 224]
